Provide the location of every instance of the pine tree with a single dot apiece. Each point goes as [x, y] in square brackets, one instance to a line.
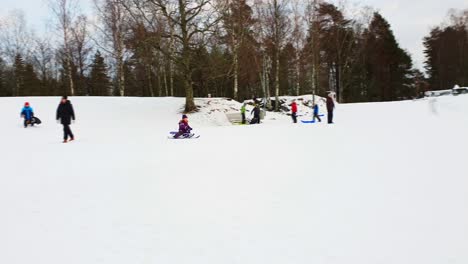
[388, 65]
[32, 84]
[99, 82]
[446, 51]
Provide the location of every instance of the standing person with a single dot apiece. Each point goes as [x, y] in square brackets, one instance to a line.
[330, 108]
[256, 115]
[184, 128]
[294, 111]
[316, 113]
[65, 114]
[243, 111]
[27, 113]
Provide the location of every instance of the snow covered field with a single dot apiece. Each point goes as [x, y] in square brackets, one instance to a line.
[387, 184]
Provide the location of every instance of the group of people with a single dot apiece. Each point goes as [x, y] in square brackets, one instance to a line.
[256, 112]
[330, 108]
[65, 115]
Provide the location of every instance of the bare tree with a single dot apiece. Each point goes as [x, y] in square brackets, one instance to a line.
[80, 49]
[276, 25]
[189, 22]
[15, 42]
[114, 18]
[261, 31]
[42, 57]
[298, 39]
[311, 16]
[15, 36]
[237, 23]
[64, 11]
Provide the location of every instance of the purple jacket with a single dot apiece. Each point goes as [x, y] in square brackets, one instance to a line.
[184, 127]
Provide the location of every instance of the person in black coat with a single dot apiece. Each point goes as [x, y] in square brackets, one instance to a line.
[330, 108]
[66, 114]
[256, 115]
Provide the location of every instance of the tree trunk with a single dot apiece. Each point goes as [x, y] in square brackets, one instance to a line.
[149, 70]
[166, 88]
[236, 74]
[277, 80]
[298, 75]
[171, 77]
[159, 82]
[267, 83]
[70, 77]
[189, 100]
[120, 76]
[277, 55]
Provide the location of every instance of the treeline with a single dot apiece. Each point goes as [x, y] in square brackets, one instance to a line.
[222, 48]
[447, 52]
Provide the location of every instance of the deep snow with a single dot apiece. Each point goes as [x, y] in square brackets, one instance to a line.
[387, 184]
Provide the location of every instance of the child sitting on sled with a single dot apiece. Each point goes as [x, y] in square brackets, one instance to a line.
[184, 128]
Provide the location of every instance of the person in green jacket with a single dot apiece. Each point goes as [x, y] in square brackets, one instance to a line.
[243, 111]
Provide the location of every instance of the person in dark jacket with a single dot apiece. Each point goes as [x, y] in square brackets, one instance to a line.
[28, 114]
[184, 128]
[256, 115]
[294, 111]
[330, 108]
[65, 114]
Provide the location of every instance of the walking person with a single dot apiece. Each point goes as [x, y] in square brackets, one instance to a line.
[294, 111]
[316, 113]
[28, 114]
[65, 115]
[330, 108]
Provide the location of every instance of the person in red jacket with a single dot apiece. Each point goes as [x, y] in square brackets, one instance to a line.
[294, 111]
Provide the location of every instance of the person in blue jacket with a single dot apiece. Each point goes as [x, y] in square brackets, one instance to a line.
[27, 113]
[316, 113]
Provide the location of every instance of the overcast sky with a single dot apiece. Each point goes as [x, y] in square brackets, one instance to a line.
[411, 20]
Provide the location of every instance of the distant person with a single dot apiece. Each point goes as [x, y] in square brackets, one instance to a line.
[330, 108]
[243, 111]
[28, 114]
[65, 115]
[184, 128]
[294, 111]
[316, 113]
[256, 115]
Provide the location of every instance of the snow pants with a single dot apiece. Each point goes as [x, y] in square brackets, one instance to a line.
[294, 117]
[318, 117]
[28, 122]
[67, 132]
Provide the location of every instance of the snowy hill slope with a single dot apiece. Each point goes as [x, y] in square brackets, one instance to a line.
[387, 184]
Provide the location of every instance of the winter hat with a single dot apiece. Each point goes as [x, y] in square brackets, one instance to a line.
[65, 97]
[184, 116]
[26, 104]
